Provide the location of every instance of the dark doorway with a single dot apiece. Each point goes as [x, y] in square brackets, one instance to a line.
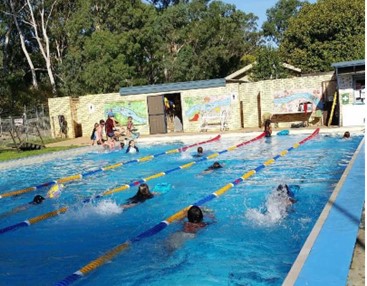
[173, 109]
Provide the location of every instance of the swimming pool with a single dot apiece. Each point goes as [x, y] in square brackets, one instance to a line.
[246, 245]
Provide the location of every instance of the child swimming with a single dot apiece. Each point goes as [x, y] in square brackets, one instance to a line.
[141, 196]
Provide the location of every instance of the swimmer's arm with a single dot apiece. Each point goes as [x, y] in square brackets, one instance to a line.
[207, 171]
[128, 205]
[292, 200]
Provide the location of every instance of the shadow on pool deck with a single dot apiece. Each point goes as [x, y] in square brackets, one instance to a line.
[356, 275]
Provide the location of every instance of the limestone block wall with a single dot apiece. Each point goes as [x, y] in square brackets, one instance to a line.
[61, 106]
[92, 109]
[238, 103]
[223, 99]
[266, 90]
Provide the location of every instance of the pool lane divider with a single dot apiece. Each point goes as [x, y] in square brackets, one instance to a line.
[102, 169]
[93, 265]
[132, 184]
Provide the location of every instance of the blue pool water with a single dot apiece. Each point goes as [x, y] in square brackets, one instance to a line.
[252, 240]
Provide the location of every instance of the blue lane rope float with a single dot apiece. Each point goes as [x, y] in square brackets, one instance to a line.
[105, 168]
[93, 265]
[138, 182]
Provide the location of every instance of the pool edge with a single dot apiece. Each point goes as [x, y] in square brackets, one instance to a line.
[304, 254]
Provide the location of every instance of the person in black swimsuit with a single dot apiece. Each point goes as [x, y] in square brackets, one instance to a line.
[141, 196]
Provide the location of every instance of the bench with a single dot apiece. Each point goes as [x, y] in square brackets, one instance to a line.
[213, 122]
[291, 117]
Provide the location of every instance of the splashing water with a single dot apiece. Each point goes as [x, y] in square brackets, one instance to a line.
[275, 210]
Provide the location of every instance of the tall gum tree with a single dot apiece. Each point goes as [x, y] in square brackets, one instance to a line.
[37, 14]
[16, 12]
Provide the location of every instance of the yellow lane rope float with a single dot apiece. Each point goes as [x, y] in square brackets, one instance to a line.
[136, 183]
[163, 224]
[105, 168]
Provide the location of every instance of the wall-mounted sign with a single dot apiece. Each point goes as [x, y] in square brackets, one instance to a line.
[18, 121]
[345, 98]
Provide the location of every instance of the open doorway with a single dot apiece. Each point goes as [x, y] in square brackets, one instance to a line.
[173, 110]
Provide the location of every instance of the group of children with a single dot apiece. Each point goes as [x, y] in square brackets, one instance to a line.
[194, 217]
[110, 130]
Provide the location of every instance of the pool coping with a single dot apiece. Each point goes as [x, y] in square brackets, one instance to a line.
[326, 255]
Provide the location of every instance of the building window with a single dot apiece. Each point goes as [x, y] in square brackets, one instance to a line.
[359, 90]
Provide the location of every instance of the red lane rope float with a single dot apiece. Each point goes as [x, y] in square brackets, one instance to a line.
[136, 183]
[179, 215]
[105, 168]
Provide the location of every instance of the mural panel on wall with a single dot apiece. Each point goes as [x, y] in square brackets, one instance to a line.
[122, 110]
[288, 101]
[209, 110]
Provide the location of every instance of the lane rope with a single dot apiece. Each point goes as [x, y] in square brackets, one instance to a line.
[93, 265]
[102, 169]
[138, 182]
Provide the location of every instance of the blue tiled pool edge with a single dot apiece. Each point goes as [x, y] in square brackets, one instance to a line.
[327, 253]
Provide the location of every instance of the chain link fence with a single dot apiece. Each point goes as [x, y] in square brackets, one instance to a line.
[33, 125]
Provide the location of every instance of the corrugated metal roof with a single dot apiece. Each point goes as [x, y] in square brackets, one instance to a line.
[348, 64]
[177, 86]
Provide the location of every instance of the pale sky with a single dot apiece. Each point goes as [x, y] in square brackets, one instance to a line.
[257, 7]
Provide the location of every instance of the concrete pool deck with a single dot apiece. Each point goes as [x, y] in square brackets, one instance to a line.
[343, 241]
[327, 253]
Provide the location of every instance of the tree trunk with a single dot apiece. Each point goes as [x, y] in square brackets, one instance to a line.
[24, 48]
[45, 44]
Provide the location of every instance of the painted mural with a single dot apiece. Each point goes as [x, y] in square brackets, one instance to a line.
[290, 100]
[209, 110]
[122, 110]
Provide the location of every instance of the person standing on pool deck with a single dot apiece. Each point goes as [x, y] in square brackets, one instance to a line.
[99, 132]
[131, 131]
[111, 130]
[93, 136]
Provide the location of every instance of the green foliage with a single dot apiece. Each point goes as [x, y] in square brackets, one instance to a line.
[324, 33]
[201, 41]
[14, 154]
[268, 65]
[98, 46]
[278, 18]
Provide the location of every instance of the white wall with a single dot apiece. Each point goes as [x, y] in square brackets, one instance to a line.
[353, 115]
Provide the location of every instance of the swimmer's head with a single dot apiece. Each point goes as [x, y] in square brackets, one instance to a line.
[38, 200]
[195, 215]
[284, 189]
[200, 150]
[216, 165]
[346, 134]
[144, 190]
